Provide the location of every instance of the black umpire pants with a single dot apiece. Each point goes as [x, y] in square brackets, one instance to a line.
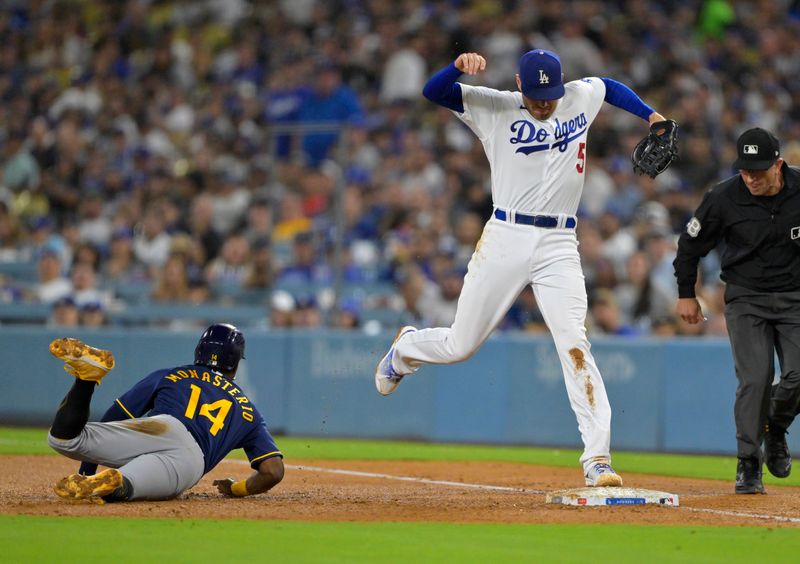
[761, 325]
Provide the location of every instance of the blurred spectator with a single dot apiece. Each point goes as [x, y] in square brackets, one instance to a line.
[115, 126]
[664, 326]
[65, 313]
[405, 71]
[230, 268]
[87, 253]
[93, 314]
[44, 238]
[348, 315]
[524, 314]
[200, 225]
[281, 308]
[640, 301]
[306, 313]
[172, 283]
[20, 169]
[440, 308]
[152, 242]
[230, 201]
[304, 267]
[329, 103]
[259, 222]
[11, 236]
[52, 285]
[94, 226]
[121, 265]
[607, 317]
[260, 273]
[85, 289]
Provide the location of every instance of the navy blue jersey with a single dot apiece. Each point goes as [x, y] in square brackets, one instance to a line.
[215, 410]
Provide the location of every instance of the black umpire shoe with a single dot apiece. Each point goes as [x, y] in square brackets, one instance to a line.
[748, 476]
[776, 451]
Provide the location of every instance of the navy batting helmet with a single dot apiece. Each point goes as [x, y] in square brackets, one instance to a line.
[221, 346]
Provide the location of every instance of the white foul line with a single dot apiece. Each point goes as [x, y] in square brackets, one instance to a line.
[513, 490]
[415, 479]
[738, 514]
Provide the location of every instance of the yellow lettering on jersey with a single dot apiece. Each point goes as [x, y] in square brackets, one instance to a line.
[242, 399]
[193, 373]
[206, 377]
[226, 385]
[215, 412]
[172, 377]
[245, 408]
[216, 380]
[247, 416]
[183, 374]
[233, 391]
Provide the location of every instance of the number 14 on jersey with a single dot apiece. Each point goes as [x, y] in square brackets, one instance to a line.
[215, 412]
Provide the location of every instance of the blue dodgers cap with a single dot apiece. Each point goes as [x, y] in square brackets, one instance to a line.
[540, 74]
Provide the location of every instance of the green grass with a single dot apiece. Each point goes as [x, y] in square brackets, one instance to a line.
[172, 540]
[177, 540]
[34, 441]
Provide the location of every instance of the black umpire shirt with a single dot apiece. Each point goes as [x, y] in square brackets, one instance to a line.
[760, 236]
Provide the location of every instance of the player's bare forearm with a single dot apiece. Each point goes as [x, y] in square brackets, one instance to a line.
[268, 475]
[654, 117]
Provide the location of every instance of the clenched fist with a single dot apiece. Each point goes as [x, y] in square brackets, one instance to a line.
[470, 63]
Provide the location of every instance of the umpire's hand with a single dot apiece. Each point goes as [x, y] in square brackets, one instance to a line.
[689, 310]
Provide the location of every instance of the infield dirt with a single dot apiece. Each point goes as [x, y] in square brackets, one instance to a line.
[307, 494]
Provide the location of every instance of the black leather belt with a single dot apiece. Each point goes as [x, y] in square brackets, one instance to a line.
[546, 221]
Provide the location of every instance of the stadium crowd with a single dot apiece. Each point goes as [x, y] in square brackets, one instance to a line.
[193, 152]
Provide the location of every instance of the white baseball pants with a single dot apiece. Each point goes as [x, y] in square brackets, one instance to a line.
[507, 257]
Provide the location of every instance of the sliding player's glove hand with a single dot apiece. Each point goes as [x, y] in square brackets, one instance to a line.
[655, 153]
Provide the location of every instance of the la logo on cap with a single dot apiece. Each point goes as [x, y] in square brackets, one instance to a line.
[750, 149]
[543, 78]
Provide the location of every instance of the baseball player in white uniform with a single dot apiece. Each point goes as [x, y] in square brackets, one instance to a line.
[535, 140]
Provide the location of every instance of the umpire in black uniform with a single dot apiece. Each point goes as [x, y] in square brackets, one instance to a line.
[755, 215]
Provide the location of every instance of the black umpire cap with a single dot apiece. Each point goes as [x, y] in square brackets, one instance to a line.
[757, 149]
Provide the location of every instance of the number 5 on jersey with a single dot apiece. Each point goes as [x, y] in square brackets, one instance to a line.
[221, 407]
[581, 158]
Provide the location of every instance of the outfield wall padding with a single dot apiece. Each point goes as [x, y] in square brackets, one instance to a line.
[672, 395]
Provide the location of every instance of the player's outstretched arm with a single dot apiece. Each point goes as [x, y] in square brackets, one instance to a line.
[268, 475]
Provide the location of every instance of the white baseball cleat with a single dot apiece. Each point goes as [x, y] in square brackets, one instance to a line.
[601, 474]
[386, 378]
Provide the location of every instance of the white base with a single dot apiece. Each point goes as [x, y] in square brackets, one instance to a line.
[611, 496]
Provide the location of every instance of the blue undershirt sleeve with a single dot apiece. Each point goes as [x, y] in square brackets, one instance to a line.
[443, 89]
[619, 95]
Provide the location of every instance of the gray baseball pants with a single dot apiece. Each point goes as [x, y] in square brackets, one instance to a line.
[761, 325]
[156, 454]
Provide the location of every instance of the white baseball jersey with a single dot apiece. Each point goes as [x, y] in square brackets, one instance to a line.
[537, 166]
